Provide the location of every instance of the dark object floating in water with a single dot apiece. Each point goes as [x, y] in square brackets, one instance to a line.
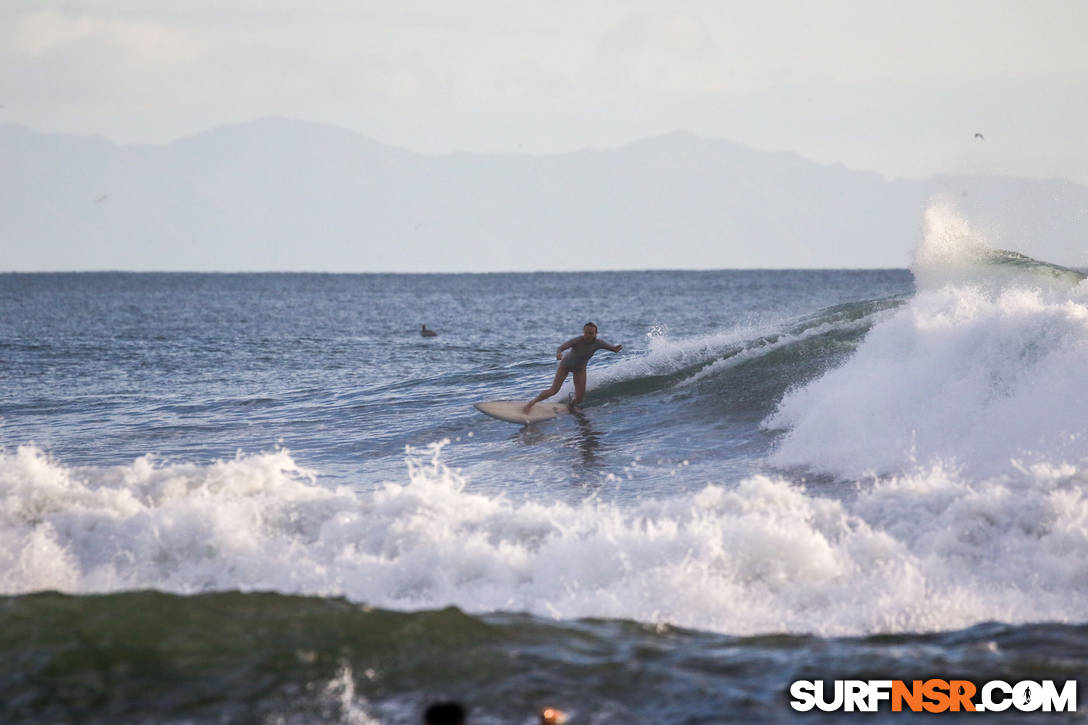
[427, 333]
[444, 713]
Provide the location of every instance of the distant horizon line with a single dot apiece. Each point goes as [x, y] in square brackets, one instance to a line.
[459, 273]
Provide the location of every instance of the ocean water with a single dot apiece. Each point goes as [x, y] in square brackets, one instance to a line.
[266, 498]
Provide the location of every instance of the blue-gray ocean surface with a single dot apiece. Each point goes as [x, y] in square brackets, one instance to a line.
[266, 498]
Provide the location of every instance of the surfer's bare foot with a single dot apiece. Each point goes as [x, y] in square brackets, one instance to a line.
[527, 407]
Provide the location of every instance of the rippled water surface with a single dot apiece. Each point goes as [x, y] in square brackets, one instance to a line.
[267, 498]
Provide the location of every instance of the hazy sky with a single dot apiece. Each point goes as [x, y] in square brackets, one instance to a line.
[895, 87]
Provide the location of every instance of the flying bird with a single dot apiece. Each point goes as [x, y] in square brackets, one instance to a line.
[979, 135]
[101, 199]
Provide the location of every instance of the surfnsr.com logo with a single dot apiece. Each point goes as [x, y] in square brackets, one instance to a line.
[933, 695]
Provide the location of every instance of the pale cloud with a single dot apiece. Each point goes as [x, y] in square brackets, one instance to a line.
[883, 85]
[36, 34]
[404, 84]
[662, 53]
[668, 35]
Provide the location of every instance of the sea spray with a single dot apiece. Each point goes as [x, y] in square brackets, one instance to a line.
[979, 369]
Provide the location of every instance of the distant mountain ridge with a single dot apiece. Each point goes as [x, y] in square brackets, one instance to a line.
[279, 194]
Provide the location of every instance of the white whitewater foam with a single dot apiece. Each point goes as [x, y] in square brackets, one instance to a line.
[929, 551]
[667, 355]
[708, 355]
[762, 347]
[982, 367]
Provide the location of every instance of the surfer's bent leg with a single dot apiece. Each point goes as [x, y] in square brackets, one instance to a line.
[579, 386]
[560, 376]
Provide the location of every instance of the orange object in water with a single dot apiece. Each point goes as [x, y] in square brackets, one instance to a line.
[552, 716]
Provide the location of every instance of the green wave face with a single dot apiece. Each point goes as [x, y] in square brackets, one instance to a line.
[143, 657]
[1023, 264]
[748, 376]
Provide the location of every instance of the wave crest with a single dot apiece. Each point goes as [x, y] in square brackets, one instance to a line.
[975, 374]
[922, 552]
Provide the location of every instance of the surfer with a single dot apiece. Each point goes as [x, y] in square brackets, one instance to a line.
[581, 350]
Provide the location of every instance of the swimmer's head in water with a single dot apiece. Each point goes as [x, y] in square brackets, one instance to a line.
[444, 713]
[589, 330]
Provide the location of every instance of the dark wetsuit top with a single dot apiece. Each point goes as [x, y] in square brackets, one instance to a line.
[580, 351]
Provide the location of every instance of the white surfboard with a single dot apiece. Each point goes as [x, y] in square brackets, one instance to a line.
[511, 410]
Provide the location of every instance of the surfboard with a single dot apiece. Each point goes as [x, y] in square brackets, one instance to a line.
[510, 410]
